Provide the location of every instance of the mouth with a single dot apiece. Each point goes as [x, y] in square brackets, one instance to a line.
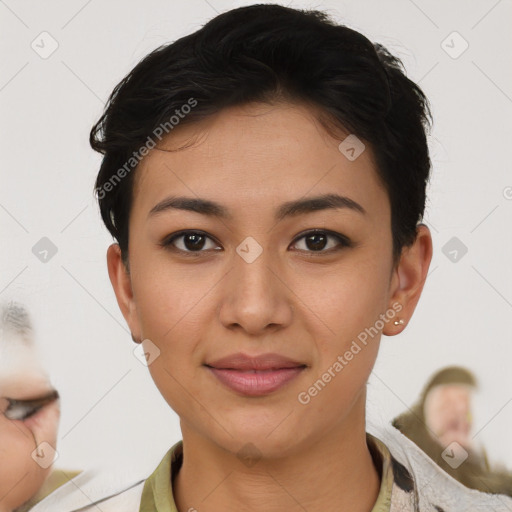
[255, 376]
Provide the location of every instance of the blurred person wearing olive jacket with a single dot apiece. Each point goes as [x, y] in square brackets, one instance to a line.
[440, 424]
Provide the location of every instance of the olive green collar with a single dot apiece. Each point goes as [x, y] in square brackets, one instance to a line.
[157, 493]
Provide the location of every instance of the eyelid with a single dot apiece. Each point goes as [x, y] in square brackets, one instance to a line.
[324, 231]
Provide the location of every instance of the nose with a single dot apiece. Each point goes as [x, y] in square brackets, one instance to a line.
[255, 298]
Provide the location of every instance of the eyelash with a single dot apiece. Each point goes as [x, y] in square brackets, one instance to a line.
[343, 241]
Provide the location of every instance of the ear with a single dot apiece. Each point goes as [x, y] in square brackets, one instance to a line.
[408, 279]
[121, 282]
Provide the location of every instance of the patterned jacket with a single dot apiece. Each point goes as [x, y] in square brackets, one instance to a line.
[411, 482]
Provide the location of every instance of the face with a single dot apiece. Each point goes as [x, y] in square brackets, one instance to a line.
[448, 413]
[302, 286]
[22, 378]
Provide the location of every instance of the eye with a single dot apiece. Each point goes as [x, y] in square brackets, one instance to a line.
[22, 409]
[318, 241]
[198, 241]
[190, 241]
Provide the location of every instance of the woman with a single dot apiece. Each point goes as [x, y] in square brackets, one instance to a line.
[264, 179]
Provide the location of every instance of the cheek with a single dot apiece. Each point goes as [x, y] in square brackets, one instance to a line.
[433, 417]
[172, 318]
[351, 306]
[348, 305]
[166, 292]
[20, 476]
[341, 375]
[175, 306]
[44, 424]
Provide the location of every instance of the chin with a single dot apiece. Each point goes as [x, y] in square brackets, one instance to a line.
[258, 440]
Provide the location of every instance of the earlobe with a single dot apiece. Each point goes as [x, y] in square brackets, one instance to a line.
[409, 279]
[121, 283]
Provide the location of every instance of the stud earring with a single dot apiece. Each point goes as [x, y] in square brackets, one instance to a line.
[399, 322]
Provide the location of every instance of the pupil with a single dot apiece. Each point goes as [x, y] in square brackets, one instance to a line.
[194, 241]
[316, 245]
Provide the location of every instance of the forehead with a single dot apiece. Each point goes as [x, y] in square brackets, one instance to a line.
[446, 392]
[257, 153]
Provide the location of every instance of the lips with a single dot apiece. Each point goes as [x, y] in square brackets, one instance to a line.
[255, 376]
[262, 362]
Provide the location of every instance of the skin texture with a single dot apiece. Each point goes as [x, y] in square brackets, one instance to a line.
[301, 303]
[21, 377]
[448, 414]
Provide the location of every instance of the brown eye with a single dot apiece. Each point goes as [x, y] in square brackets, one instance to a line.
[190, 241]
[316, 242]
[322, 241]
[193, 242]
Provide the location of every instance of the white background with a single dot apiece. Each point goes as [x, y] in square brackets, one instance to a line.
[110, 406]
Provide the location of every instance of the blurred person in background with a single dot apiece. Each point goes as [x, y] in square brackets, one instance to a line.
[440, 423]
[29, 417]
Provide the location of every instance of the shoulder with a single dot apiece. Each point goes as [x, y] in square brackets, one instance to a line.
[435, 490]
[113, 488]
[56, 479]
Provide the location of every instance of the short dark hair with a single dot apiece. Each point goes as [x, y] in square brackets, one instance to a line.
[270, 53]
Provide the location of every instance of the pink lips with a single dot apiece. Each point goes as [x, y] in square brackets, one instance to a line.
[255, 376]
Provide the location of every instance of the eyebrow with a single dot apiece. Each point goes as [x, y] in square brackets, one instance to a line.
[288, 209]
[41, 400]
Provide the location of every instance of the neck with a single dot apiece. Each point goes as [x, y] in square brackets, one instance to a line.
[334, 472]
